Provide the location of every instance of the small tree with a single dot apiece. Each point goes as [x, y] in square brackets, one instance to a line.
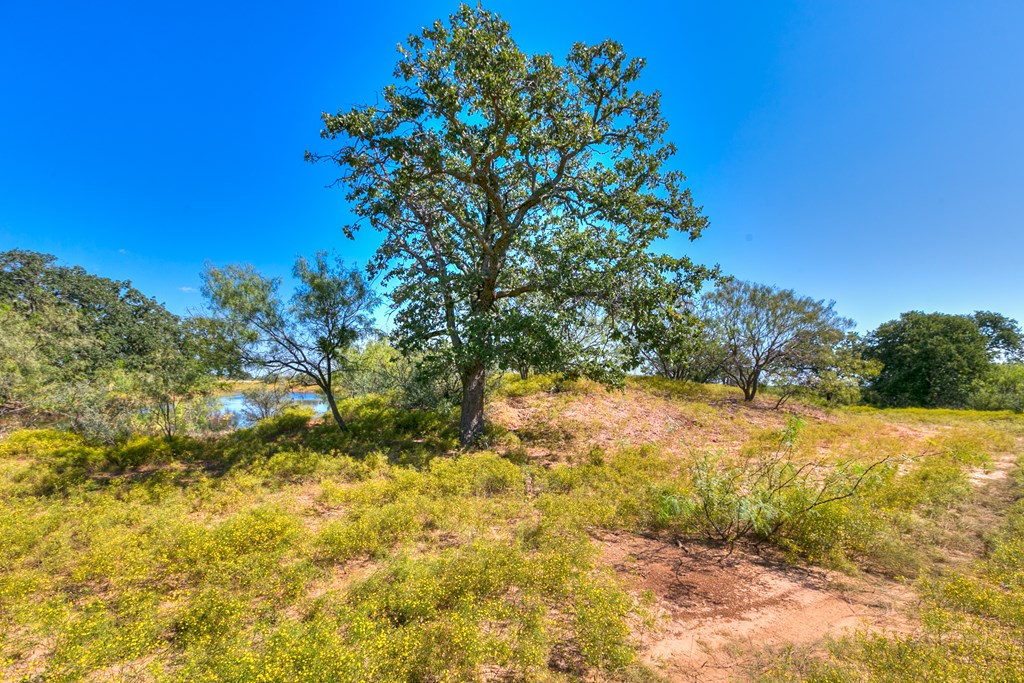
[835, 375]
[173, 376]
[211, 344]
[667, 332]
[495, 175]
[763, 331]
[264, 400]
[310, 336]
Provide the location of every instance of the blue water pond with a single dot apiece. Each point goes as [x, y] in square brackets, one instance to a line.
[234, 403]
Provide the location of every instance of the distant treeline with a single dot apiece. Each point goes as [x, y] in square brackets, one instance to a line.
[105, 360]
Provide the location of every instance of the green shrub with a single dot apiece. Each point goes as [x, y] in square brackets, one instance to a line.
[514, 386]
[55, 462]
[142, 450]
[601, 612]
[257, 530]
[36, 442]
[485, 603]
[208, 617]
[371, 532]
[680, 389]
[812, 509]
[1002, 389]
[294, 465]
[290, 421]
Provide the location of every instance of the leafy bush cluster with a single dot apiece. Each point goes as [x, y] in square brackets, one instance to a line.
[863, 508]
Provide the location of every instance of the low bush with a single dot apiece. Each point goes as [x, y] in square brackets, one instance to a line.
[475, 474]
[28, 443]
[290, 421]
[826, 512]
[514, 386]
[370, 532]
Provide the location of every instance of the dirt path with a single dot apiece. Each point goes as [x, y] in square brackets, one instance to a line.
[995, 491]
[1002, 465]
[718, 612]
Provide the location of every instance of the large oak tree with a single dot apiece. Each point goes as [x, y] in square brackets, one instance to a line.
[932, 360]
[93, 352]
[494, 174]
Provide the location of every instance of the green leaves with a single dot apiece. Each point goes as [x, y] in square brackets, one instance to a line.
[929, 360]
[94, 352]
[764, 332]
[309, 337]
[496, 175]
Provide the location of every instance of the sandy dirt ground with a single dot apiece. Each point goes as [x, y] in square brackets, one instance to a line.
[553, 428]
[718, 612]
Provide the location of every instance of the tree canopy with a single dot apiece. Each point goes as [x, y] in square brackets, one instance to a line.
[309, 336]
[123, 327]
[941, 360]
[91, 352]
[1004, 336]
[932, 360]
[761, 331]
[495, 175]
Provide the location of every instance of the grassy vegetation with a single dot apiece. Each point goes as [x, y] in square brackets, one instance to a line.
[972, 627]
[293, 552]
[209, 561]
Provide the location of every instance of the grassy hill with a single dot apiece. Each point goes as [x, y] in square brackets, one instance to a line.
[664, 532]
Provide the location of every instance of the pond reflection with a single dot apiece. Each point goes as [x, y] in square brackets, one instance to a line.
[234, 404]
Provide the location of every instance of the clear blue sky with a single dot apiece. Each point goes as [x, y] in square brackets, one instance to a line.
[867, 152]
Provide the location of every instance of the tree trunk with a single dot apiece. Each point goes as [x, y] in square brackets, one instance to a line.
[334, 410]
[782, 399]
[166, 412]
[750, 388]
[471, 423]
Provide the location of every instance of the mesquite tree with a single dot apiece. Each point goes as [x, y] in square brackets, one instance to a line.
[495, 174]
[762, 331]
[306, 338]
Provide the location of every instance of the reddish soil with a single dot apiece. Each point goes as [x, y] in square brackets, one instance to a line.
[718, 611]
[721, 614]
[554, 427]
[999, 472]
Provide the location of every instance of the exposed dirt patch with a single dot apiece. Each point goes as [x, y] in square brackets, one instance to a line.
[556, 427]
[553, 427]
[1002, 465]
[912, 433]
[340, 578]
[718, 610]
[995, 491]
